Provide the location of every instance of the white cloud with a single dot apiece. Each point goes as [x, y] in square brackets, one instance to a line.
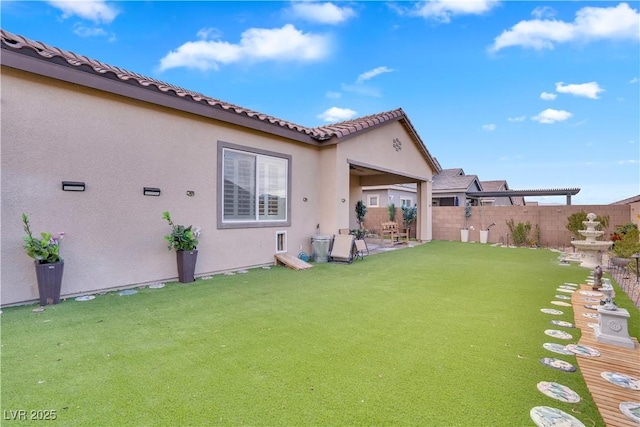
[444, 10]
[256, 45]
[333, 95]
[543, 12]
[336, 114]
[97, 11]
[83, 31]
[548, 96]
[591, 23]
[372, 73]
[323, 13]
[361, 89]
[627, 162]
[633, 80]
[209, 34]
[489, 127]
[517, 119]
[587, 90]
[550, 115]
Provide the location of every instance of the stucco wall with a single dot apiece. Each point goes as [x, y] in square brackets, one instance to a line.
[552, 220]
[53, 131]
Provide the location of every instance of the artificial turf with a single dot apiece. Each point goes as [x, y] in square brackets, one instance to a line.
[442, 334]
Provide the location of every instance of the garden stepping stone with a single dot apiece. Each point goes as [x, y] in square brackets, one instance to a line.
[562, 297]
[587, 299]
[591, 294]
[156, 286]
[567, 291]
[546, 416]
[558, 392]
[592, 325]
[562, 303]
[590, 315]
[85, 298]
[591, 306]
[631, 410]
[567, 287]
[551, 311]
[561, 365]
[622, 380]
[558, 334]
[127, 292]
[562, 323]
[582, 350]
[557, 348]
[571, 284]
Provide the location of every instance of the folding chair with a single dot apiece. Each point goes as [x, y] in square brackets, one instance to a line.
[342, 248]
[360, 249]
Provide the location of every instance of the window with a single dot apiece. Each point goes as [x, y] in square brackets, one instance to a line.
[406, 201]
[255, 187]
[373, 201]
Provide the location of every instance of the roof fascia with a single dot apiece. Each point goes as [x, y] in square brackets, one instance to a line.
[82, 76]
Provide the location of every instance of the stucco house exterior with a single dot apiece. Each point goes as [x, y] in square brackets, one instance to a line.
[255, 184]
[450, 188]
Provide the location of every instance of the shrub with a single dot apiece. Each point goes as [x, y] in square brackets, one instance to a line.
[575, 223]
[628, 244]
[519, 232]
[361, 211]
[409, 214]
[392, 211]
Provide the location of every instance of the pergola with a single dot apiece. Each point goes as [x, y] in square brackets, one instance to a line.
[568, 192]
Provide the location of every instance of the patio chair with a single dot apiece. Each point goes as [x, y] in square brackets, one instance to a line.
[361, 249]
[342, 248]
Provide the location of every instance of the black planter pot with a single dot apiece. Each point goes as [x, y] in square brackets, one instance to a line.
[186, 265]
[49, 282]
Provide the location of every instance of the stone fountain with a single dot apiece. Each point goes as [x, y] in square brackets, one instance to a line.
[590, 247]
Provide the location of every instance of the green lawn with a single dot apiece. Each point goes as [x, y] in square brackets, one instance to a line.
[443, 334]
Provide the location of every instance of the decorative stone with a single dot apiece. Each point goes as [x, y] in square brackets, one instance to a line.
[582, 350]
[590, 315]
[562, 297]
[562, 323]
[557, 348]
[612, 328]
[591, 293]
[562, 303]
[558, 334]
[622, 380]
[591, 307]
[631, 410]
[551, 311]
[127, 292]
[545, 416]
[558, 392]
[567, 291]
[558, 364]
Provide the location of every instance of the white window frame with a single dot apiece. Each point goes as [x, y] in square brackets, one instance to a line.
[369, 197]
[262, 159]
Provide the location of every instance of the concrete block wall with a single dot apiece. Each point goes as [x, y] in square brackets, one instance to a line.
[552, 220]
[376, 216]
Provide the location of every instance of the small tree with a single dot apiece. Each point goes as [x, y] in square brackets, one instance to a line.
[519, 232]
[467, 215]
[628, 245]
[409, 214]
[361, 212]
[575, 223]
[392, 211]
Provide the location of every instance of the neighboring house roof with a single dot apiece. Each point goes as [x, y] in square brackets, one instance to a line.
[628, 201]
[501, 185]
[217, 109]
[455, 180]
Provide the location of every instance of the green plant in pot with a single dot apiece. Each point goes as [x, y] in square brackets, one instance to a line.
[185, 241]
[49, 265]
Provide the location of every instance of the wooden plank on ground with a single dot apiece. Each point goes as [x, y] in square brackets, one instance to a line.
[291, 261]
[606, 395]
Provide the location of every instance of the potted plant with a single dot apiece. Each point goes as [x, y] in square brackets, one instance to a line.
[184, 240]
[49, 265]
[484, 233]
[464, 232]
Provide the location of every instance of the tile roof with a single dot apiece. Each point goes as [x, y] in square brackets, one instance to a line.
[494, 185]
[628, 201]
[454, 180]
[337, 131]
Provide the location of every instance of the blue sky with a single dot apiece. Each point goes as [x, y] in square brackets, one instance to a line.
[541, 94]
